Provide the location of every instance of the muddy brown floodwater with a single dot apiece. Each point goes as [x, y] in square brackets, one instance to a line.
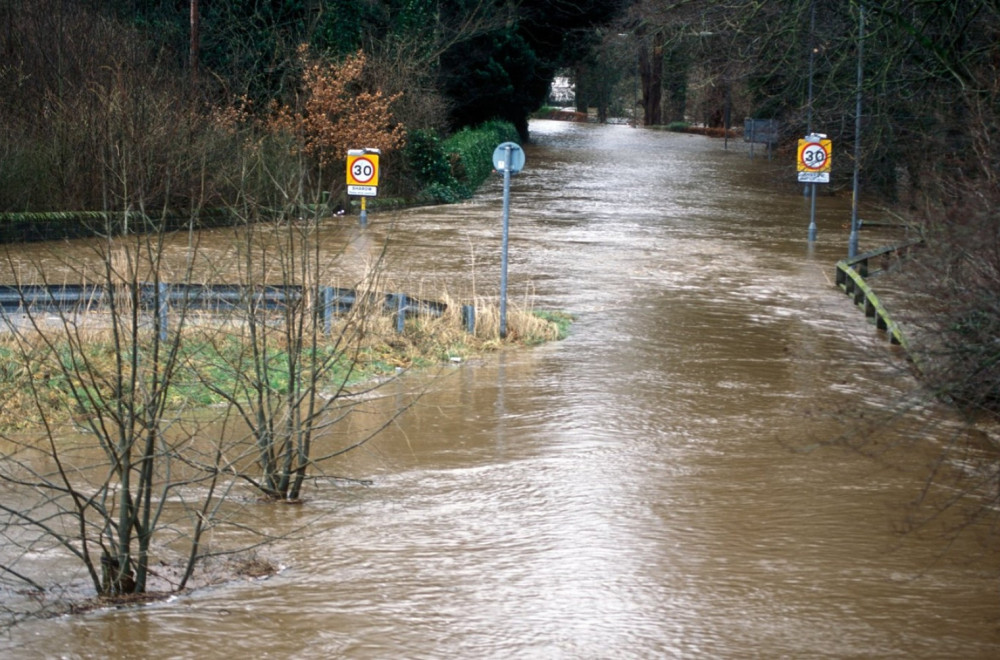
[660, 484]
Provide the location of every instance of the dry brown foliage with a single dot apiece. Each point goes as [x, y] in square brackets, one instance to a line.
[336, 113]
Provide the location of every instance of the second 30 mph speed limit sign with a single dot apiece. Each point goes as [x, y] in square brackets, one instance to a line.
[814, 160]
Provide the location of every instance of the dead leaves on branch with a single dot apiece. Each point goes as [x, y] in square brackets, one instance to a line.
[336, 112]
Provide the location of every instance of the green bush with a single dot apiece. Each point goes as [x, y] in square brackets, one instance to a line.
[451, 170]
[446, 194]
[427, 159]
[474, 148]
[431, 168]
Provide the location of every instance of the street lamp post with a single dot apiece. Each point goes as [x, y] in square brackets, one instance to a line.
[852, 243]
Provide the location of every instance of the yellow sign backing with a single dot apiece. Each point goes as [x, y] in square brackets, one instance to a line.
[362, 170]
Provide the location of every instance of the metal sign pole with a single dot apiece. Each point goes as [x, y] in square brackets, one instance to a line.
[813, 165]
[362, 177]
[509, 159]
[503, 249]
[812, 213]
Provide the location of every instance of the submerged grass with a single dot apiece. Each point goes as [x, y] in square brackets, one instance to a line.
[61, 377]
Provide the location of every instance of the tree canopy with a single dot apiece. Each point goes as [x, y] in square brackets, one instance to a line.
[929, 86]
[490, 58]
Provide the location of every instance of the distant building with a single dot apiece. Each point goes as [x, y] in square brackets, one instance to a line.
[562, 91]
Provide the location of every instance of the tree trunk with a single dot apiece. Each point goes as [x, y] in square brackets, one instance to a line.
[651, 76]
[581, 93]
[193, 54]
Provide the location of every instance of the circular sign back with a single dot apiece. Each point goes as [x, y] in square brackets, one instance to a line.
[512, 161]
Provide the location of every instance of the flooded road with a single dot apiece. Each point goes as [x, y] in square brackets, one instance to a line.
[666, 482]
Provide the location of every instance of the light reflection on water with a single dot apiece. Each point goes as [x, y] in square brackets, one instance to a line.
[638, 490]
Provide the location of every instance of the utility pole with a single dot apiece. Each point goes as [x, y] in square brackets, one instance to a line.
[852, 244]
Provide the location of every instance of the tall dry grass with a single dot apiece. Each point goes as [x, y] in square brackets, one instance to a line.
[35, 351]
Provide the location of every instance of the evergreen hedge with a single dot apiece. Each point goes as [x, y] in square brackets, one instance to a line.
[452, 169]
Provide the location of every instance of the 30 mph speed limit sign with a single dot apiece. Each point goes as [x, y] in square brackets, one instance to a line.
[814, 160]
[362, 174]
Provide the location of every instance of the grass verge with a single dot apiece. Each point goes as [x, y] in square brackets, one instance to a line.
[217, 353]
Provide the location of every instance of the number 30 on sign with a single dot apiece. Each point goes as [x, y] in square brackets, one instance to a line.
[814, 160]
[362, 170]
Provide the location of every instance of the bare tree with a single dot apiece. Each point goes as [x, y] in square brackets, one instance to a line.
[107, 475]
[124, 490]
[289, 367]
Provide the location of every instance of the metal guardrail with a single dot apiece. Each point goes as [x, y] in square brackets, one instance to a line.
[163, 297]
[851, 274]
